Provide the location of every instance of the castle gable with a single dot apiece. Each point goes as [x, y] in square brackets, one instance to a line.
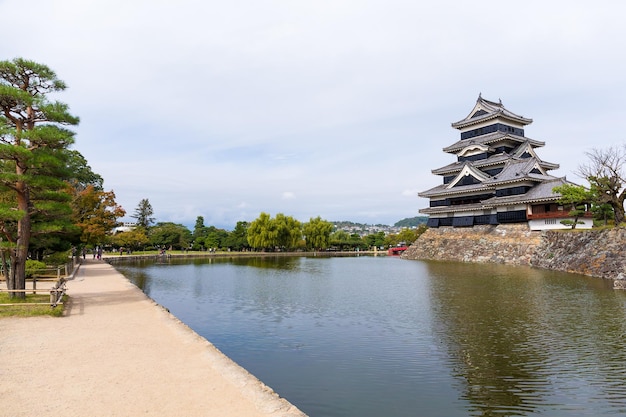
[486, 111]
[468, 176]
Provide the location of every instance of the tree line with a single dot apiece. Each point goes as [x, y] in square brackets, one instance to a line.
[265, 233]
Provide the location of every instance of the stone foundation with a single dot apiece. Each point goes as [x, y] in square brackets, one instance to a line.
[599, 253]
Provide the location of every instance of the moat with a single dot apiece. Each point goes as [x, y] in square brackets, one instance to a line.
[373, 336]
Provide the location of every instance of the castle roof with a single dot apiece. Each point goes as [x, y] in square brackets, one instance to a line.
[491, 138]
[497, 159]
[515, 170]
[485, 110]
[540, 193]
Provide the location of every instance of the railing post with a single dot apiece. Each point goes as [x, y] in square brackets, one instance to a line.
[34, 284]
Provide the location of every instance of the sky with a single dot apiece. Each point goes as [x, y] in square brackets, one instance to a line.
[338, 109]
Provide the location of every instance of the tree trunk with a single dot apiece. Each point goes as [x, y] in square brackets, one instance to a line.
[20, 254]
[620, 217]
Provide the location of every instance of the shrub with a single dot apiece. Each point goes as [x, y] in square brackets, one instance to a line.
[57, 258]
[32, 267]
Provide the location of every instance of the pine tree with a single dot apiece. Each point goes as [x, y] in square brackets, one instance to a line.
[143, 214]
[33, 158]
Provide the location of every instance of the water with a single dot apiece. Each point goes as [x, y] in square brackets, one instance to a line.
[381, 336]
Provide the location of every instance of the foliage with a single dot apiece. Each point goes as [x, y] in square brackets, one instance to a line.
[405, 236]
[317, 233]
[32, 267]
[343, 241]
[215, 238]
[238, 238]
[375, 239]
[34, 159]
[169, 235]
[143, 214]
[576, 197]
[260, 234]
[199, 230]
[134, 240]
[281, 232]
[82, 175]
[606, 173]
[412, 221]
[56, 258]
[96, 213]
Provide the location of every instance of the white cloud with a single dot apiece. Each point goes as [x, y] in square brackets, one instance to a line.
[199, 106]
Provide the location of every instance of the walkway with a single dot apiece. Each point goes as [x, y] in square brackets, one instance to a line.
[117, 353]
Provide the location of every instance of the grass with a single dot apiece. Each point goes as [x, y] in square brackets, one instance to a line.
[26, 308]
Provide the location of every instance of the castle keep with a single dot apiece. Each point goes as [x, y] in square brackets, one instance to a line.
[497, 177]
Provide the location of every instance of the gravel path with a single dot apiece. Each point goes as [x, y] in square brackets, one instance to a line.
[117, 353]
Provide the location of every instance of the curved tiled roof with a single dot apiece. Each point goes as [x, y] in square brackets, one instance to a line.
[490, 139]
[493, 160]
[539, 193]
[487, 110]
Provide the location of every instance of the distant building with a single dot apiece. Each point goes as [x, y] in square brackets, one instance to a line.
[125, 227]
[497, 177]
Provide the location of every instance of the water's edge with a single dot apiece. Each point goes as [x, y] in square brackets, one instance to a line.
[596, 253]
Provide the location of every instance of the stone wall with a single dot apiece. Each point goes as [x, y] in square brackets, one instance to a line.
[599, 253]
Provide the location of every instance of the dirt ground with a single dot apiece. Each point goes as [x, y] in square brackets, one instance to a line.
[117, 353]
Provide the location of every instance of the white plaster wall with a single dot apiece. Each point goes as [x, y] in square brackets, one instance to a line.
[555, 224]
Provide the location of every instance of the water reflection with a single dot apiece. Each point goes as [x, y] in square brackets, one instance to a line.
[379, 336]
[523, 340]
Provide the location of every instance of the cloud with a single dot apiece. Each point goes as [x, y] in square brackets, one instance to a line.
[199, 106]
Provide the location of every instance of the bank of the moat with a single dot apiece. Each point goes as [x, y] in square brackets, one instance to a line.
[599, 253]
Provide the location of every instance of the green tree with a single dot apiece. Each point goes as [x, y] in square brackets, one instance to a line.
[81, 173]
[405, 236]
[317, 233]
[215, 237]
[576, 197]
[281, 232]
[143, 214]
[375, 239]
[288, 230]
[199, 234]
[261, 234]
[339, 239]
[199, 230]
[357, 242]
[238, 238]
[134, 239]
[33, 156]
[169, 235]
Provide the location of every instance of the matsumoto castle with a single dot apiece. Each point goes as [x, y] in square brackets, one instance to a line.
[497, 176]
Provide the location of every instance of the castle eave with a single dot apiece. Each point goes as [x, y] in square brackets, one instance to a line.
[489, 139]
